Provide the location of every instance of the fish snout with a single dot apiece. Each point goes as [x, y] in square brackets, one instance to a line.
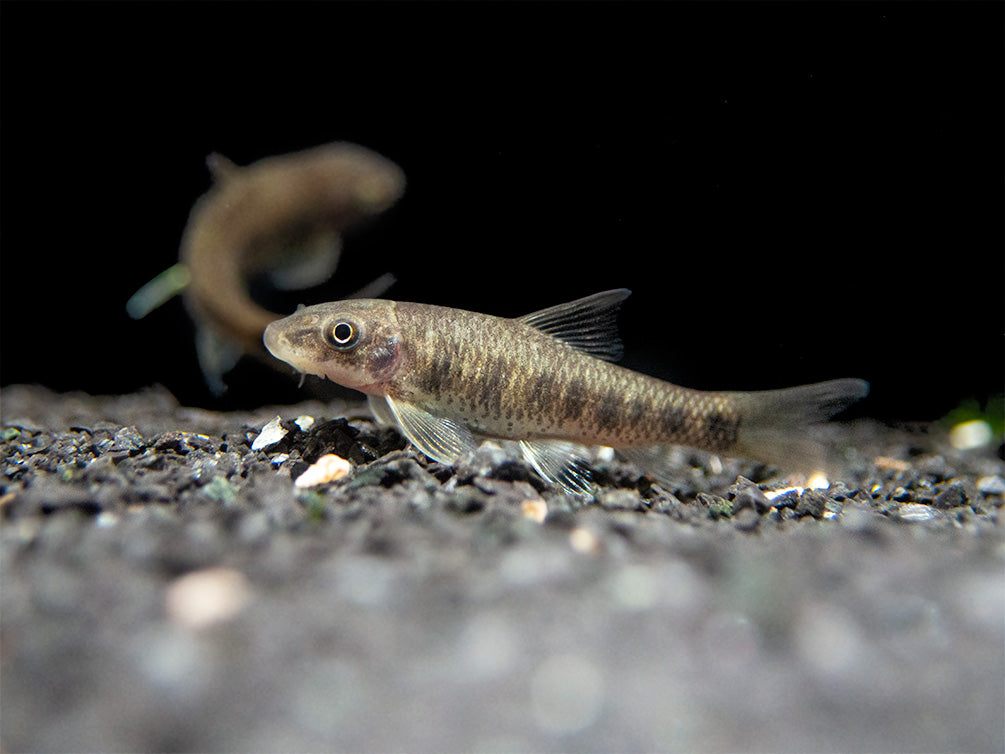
[296, 340]
[273, 339]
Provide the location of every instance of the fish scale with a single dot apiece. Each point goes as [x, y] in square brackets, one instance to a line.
[546, 380]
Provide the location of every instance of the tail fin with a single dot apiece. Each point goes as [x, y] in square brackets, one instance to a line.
[776, 422]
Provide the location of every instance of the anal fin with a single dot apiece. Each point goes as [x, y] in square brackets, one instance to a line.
[655, 461]
[217, 356]
[560, 463]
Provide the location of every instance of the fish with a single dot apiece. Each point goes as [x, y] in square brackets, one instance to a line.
[449, 378]
[282, 217]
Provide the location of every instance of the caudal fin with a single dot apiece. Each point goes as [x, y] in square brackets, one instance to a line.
[775, 424]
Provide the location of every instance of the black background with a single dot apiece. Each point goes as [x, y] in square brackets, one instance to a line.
[793, 191]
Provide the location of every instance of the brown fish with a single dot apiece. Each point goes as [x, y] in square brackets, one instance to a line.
[282, 216]
[446, 376]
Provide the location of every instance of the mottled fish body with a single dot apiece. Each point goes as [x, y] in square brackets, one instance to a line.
[446, 376]
[282, 218]
[279, 211]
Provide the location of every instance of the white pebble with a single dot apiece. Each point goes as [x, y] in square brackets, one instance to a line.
[916, 512]
[202, 598]
[585, 541]
[991, 485]
[106, 519]
[326, 469]
[971, 434]
[271, 433]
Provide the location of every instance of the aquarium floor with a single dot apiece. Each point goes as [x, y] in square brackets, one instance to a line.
[166, 587]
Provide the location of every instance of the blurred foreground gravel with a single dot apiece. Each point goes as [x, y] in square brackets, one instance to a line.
[167, 588]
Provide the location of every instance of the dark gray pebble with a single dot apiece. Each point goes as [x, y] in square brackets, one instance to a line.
[812, 503]
[751, 497]
[951, 495]
[716, 506]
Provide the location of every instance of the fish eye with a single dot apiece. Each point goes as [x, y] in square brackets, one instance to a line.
[342, 334]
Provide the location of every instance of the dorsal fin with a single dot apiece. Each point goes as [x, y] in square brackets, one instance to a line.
[587, 324]
[220, 167]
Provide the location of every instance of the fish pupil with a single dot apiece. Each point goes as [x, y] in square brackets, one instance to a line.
[342, 335]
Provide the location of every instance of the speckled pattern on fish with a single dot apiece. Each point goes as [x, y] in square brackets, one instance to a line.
[446, 375]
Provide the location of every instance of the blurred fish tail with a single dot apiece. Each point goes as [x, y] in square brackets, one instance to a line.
[776, 423]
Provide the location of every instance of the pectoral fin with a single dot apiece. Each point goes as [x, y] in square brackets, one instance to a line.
[376, 287]
[380, 410]
[443, 440]
[304, 262]
[559, 463]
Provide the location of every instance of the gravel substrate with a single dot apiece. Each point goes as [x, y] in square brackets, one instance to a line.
[166, 587]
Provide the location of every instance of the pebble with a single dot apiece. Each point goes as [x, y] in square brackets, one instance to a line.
[832, 509]
[466, 500]
[585, 541]
[126, 439]
[271, 433]
[220, 490]
[106, 520]
[812, 503]
[893, 464]
[916, 512]
[952, 496]
[619, 499]
[971, 434]
[991, 485]
[934, 466]
[203, 598]
[536, 510]
[718, 507]
[328, 468]
[751, 497]
[785, 496]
